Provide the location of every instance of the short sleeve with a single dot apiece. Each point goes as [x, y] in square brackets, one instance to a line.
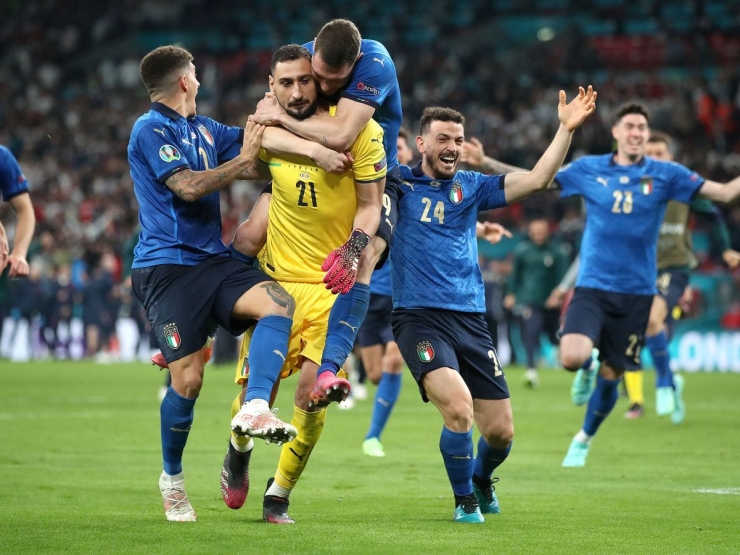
[369, 155]
[373, 79]
[156, 144]
[490, 191]
[570, 179]
[228, 140]
[684, 183]
[12, 180]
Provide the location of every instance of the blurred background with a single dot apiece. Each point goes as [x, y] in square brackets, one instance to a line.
[70, 92]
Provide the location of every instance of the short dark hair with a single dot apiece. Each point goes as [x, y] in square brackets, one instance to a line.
[438, 113]
[288, 53]
[631, 108]
[661, 137]
[162, 67]
[338, 42]
[404, 133]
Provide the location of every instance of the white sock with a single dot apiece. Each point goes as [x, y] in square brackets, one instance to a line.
[583, 437]
[278, 491]
[241, 449]
[257, 405]
[176, 478]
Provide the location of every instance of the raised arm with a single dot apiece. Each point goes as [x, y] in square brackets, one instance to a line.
[520, 185]
[474, 155]
[192, 185]
[337, 132]
[720, 192]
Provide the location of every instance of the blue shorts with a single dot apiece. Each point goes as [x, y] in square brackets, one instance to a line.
[671, 285]
[615, 322]
[376, 327]
[434, 338]
[185, 304]
[388, 213]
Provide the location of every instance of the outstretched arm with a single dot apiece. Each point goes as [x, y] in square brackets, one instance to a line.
[192, 185]
[337, 132]
[720, 192]
[520, 185]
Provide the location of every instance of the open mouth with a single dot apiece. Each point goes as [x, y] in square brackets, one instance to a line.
[448, 160]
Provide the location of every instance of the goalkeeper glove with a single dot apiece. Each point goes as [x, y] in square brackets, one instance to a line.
[341, 264]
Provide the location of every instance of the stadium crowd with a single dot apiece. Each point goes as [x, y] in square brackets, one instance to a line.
[70, 89]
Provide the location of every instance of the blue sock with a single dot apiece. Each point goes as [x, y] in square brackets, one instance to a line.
[270, 334]
[587, 363]
[345, 318]
[176, 417]
[600, 404]
[489, 458]
[457, 454]
[658, 345]
[241, 257]
[386, 396]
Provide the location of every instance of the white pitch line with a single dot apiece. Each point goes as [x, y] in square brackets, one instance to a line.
[719, 491]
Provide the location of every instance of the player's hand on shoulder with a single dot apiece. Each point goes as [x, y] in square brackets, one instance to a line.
[252, 139]
[268, 111]
[473, 153]
[574, 113]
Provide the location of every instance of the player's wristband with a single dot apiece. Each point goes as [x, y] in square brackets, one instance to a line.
[358, 240]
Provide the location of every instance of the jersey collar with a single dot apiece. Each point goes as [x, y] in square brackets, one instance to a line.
[416, 170]
[165, 110]
[641, 163]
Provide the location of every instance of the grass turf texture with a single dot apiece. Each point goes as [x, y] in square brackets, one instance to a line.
[80, 459]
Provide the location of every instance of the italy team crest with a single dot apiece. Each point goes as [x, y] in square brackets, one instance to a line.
[206, 134]
[456, 193]
[425, 351]
[646, 185]
[172, 336]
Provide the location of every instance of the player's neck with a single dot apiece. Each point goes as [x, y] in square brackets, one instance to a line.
[622, 159]
[176, 104]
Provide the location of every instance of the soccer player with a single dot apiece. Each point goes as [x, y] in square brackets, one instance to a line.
[380, 355]
[438, 299]
[179, 161]
[14, 190]
[539, 265]
[310, 212]
[675, 261]
[360, 77]
[626, 195]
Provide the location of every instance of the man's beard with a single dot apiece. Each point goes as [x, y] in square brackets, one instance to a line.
[301, 115]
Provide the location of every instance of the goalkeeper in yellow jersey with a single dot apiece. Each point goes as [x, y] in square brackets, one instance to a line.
[311, 214]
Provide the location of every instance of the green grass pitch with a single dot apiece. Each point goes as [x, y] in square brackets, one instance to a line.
[80, 459]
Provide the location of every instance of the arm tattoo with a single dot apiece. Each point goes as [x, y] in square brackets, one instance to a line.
[280, 296]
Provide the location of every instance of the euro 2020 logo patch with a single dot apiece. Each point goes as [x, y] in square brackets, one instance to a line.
[456, 193]
[172, 336]
[425, 351]
[169, 153]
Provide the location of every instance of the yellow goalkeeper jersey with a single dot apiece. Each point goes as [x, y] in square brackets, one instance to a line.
[312, 211]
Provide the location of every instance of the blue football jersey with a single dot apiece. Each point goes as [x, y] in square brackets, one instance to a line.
[625, 206]
[374, 82]
[434, 253]
[12, 180]
[163, 143]
[380, 283]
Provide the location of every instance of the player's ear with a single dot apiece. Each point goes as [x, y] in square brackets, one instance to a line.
[272, 83]
[420, 143]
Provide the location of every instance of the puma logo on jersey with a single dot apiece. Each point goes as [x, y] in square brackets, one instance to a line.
[160, 131]
[389, 224]
[410, 185]
[381, 62]
[603, 180]
[278, 353]
[353, 328]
